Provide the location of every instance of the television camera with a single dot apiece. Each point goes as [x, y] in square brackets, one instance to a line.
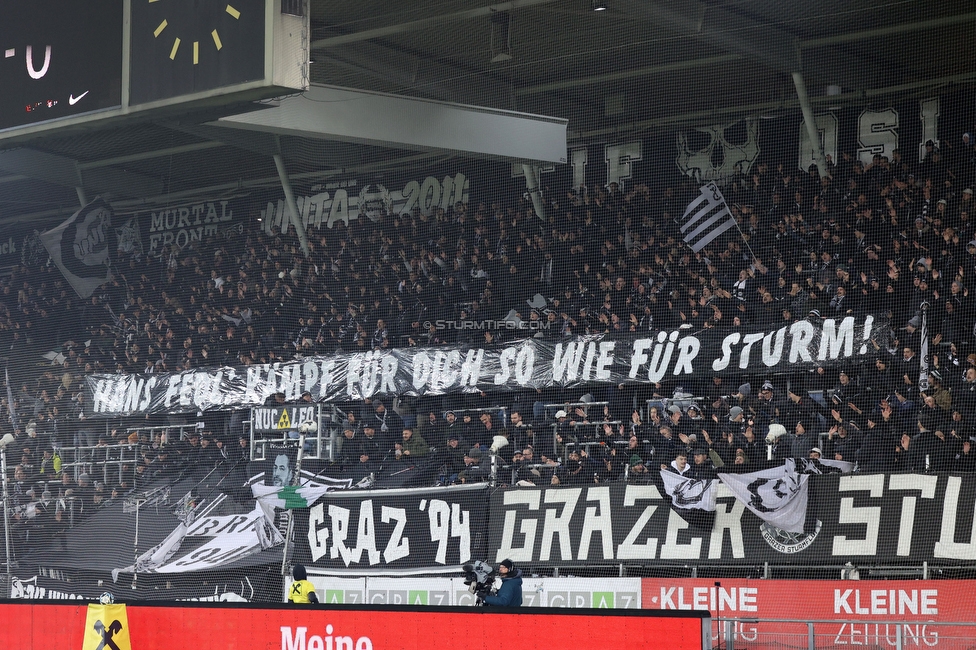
[480, 578]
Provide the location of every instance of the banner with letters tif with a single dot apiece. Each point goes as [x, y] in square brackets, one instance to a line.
[531, 363]
[903, 518]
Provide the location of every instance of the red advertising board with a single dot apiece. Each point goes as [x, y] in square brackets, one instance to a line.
[861, 612]
[245, 627]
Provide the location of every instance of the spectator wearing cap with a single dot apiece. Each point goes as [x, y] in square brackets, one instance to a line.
[664, 442]
[701, 467]
[804, 438]
[348, 447]
[372, 448]
[877, 380]
[938, 392]
[433, 429]
[815, 453]
[744, 398]
[474, 469]
[766, 406]
[843, 441]
[209, 454]
[845, 390]
[386, 422]
[453, 458]
[878, 447]
[681, 426]
[637, 471]
[777, 438]
[453, 426]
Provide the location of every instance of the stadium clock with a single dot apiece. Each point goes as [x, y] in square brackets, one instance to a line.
[181, 47]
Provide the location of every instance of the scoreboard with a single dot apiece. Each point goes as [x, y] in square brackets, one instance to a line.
[65, 63]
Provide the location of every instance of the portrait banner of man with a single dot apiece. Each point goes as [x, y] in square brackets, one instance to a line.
[283, 460]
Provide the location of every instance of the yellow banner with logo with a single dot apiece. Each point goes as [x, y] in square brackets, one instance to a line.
[106, 628]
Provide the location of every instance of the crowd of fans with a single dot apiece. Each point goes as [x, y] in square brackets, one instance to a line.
[892, 238]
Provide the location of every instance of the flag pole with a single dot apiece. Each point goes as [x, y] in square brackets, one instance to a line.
[296, 480]
[746, 242]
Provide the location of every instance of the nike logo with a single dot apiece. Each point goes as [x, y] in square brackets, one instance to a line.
[72, 100]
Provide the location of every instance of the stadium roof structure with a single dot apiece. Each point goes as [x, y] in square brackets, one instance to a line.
[638, 66]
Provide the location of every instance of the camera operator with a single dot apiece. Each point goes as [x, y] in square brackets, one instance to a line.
[510, 593]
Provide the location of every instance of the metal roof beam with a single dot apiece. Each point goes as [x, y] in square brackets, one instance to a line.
[724, 29]
[424, 23]
[628, 74]
[903, 28]
[378, 119]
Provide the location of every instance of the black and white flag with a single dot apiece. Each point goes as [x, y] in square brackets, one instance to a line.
[824, 466]
[688, 493]
[777, 495]
[81, 247]
[923, 365]
[706, 218]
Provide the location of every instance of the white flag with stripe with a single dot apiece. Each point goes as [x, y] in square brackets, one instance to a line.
[690, 494]
[923, 354]
[706, 218]
[777, 495]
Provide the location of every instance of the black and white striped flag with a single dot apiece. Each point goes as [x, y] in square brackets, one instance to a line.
[706, 218]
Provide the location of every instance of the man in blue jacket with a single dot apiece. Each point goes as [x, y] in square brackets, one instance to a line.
[510, 593]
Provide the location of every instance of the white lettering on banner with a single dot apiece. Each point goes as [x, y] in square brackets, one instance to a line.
[186, 224]
[886, 634]
[619, 158]
[629, 549]
[322, 210]
[659, 360]
[448, 520]
[881, 602]
[827, 129]
[870, 517]
[947, 547]
[297, 640]
[728, 517]
[29, 589]
[577, 159]
[926, 484]
[8, 247]
[439, 371]
[877, 133]
[928, 112]
[233, 537]
[716, 599]
[329, 528]
[519, 527]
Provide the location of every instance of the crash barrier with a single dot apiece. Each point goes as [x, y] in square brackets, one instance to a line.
[301, 627]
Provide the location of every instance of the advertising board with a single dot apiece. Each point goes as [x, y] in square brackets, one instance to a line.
[236, 627]
[563, 592]
[861, 612]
